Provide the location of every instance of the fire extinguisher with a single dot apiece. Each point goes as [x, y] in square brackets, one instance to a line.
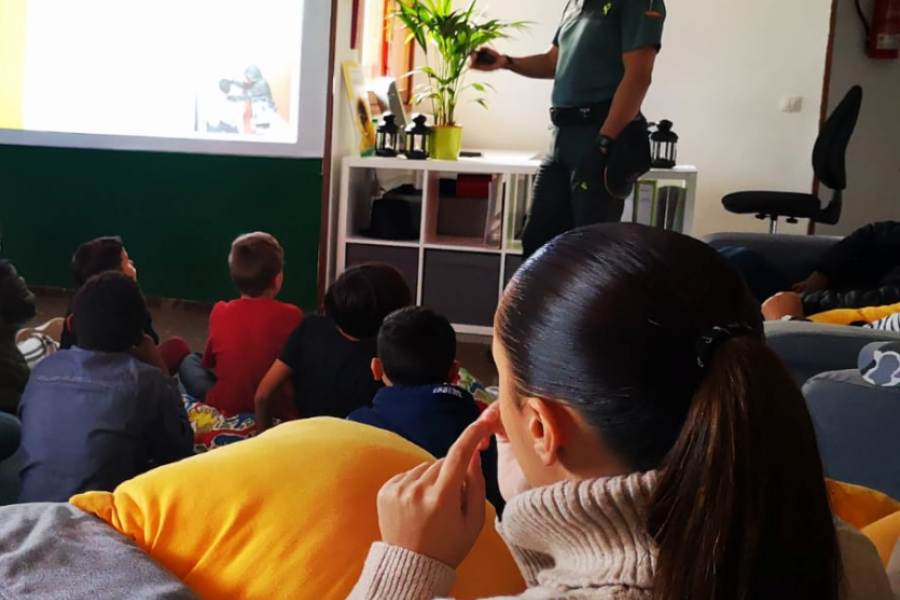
[883, 36]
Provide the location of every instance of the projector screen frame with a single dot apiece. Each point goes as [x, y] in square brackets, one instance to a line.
[311, 112]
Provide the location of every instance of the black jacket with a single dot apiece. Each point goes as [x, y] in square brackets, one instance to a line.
[16, 308]
[863, 270]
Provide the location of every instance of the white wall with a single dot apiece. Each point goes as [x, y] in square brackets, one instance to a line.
[724, 66]
[873, 159]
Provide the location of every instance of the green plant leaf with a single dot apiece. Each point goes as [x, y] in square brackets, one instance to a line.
[453, 35]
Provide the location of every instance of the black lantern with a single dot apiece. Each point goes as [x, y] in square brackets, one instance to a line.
[417, 138]
[386, 136]
[664, 146]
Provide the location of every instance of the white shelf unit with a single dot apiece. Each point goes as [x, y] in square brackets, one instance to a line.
[459, 277]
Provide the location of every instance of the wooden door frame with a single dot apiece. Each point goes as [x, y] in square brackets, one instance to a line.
[324, 229]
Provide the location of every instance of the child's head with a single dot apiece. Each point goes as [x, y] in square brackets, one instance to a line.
[416, 347]
[108, 313]
[99, 255]
[257, 265]
[16, 300]
[363, 296]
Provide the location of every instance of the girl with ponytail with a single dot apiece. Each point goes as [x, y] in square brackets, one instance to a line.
[652, 446]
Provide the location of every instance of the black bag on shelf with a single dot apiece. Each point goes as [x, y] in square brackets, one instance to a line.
[392, 216]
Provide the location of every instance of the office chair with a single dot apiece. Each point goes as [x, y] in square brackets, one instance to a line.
[829, 165]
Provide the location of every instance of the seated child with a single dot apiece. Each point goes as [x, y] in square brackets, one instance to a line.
[16, 308]
[789, 306]
[245, 335]
[93, 258]
[103, 411]
[863, 269]
[328, 357]
[417, 363]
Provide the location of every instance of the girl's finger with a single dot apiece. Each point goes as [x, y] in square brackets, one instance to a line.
[494, 418]
[433, 472]
[474, 494]
[456, 463]
[413, 474]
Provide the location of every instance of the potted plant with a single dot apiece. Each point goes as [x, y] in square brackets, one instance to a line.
[448, 38]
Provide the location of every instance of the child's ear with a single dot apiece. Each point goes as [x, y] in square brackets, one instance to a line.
[279, 281]
[453, 375]
[70, 323]
[377, 369]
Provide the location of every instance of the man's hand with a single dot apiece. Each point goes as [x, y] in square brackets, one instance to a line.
[147, 352]
[816, 282]
[499, 61]
[783, 304]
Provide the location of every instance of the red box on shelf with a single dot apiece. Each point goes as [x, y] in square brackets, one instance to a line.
[473, 186]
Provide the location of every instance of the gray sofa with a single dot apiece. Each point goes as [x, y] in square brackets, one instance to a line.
[807, 348]
[857, 423]
[858, 428]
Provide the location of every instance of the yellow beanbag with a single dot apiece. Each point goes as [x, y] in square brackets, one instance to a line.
[288, 515]
[859, 506]
[884, 534]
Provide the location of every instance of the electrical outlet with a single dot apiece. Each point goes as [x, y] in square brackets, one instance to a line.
[791, 104]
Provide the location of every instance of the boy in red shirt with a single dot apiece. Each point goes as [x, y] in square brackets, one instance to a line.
[245, 335]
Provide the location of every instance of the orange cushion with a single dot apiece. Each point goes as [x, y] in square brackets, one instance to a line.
[884, 534]
[288, 515]
[859, 506]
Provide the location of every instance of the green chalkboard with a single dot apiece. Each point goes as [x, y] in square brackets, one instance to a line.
[177, 214]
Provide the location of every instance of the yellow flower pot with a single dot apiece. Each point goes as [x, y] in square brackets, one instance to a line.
[445, 142]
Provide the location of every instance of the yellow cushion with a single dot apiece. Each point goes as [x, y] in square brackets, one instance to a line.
[288, 515]
[845, 316]
[884, 534]
[859, 506]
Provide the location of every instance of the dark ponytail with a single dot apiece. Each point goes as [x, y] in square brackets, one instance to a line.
[607, 319]
[740, 506]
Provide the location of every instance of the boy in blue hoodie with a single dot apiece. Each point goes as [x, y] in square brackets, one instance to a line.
[417, 362]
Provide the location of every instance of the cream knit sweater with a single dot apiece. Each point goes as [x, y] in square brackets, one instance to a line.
[581, 540]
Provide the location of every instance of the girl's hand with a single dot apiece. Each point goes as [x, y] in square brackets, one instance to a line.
[438, 510]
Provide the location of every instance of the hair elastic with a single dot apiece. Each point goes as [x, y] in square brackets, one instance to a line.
[708, 343]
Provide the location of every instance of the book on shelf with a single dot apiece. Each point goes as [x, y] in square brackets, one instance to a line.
[519, 196]
[493, 225]
[645, 202]
[670, 207]
[360, 110]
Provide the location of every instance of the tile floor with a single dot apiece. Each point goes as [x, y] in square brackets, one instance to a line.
[188, 320]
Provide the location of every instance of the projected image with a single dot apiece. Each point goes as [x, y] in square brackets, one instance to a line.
[254, 103]
[180, 69]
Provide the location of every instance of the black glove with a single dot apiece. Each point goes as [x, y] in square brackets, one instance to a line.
[589, 176]
[630, 157]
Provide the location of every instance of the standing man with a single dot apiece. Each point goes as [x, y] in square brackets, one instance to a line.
[601, 62]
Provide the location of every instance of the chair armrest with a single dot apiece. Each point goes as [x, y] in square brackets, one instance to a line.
[812, 348]
[793, 255]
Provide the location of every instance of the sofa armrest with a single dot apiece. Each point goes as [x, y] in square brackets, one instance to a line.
[856, 429]
[793, 255]
[812, 348]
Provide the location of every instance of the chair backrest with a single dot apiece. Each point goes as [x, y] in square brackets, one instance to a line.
[830, 151]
